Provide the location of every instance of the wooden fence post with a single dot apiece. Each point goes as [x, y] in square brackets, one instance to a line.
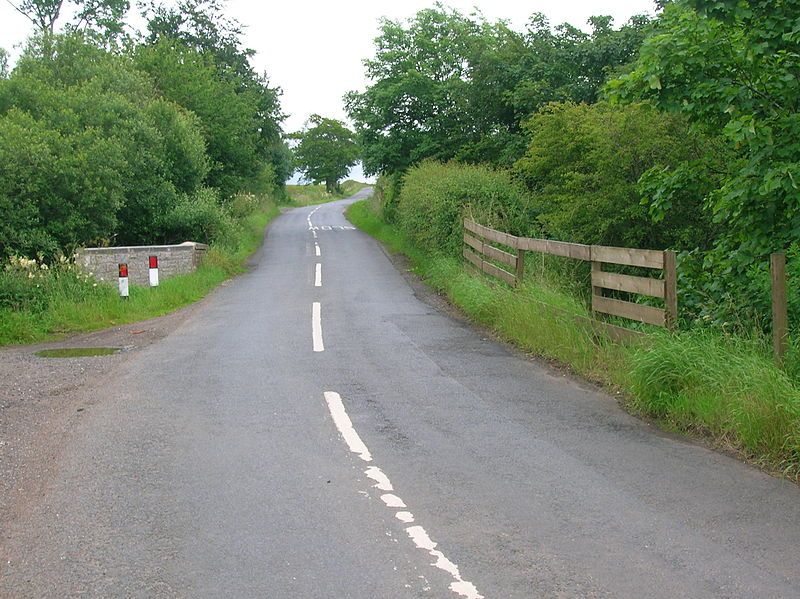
[670, 290]
[520, 266]
[780, 309]
[597, 267]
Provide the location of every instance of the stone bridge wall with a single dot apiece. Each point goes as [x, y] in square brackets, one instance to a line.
[172, 260]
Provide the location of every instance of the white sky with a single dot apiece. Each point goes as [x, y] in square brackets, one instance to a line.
[313, 49]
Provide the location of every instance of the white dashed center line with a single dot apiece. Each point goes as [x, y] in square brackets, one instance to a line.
[308, 218]
[316, 327]
[416, 533]
[317, 250]
[318, 276]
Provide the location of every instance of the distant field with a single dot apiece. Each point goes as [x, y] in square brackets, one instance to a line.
[305, 195]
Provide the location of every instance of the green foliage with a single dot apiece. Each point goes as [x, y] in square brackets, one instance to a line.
[417, 105]
[387, 195]
[104, 18]
[731, 67]
[3, 63]
[199, 217]
[203, 28]
[448, 86]
[227, 118]
[306, 195]
[31, 285]
[105, 147]
[326, 152]
[117, 156]
[435, 197]
[587, 167]
[57, 189]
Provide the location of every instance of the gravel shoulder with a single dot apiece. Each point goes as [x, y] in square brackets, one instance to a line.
[43, 399]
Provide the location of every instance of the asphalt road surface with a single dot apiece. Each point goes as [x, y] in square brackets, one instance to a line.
[316, 430]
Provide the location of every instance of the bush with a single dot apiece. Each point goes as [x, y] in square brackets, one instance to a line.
[198, 218]
[435, 197]
[57, 189]
[90, 152]
[584, 165]
[386, 195]
[242, 205]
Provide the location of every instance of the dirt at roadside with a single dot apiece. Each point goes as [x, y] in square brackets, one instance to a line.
[42, 399]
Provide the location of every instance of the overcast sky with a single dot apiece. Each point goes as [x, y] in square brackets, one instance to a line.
[313, 49]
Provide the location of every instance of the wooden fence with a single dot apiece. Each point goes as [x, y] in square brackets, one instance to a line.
[780, 307]
[480, 250]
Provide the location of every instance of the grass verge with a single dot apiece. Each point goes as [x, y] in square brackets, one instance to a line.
[71, 303]
[723, 389]
[307, 195]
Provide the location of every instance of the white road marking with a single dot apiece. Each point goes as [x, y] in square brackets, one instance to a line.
[317, 250]
[417, 533]
[345, 426]
[318, 276]
[382, 481]
[392, 501]
[316, 327]
[331, 228]
[406, 517]
[459, 585]
[314, 233]
[308, 218]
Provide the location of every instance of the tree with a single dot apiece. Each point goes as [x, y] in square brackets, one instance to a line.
[326, 152]
[229, 118]
[731, 66]
[447, 86]
[416, 106]
[200, 28]
[105, 17]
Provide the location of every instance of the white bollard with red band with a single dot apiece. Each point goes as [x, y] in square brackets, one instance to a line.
[153, 271]
[123, 281]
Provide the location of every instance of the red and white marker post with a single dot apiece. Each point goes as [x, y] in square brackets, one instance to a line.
[123, 281]
[153, 271]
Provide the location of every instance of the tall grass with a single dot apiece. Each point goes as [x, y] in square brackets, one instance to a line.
[71, 307]
[725, 389]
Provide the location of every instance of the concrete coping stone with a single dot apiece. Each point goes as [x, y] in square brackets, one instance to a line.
[153, 248]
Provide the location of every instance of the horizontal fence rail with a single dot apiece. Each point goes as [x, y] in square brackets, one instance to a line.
[488, 259]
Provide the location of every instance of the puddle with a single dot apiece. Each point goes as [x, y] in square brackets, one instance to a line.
[77, 352]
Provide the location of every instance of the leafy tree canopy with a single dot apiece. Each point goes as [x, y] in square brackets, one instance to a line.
[201, 28]
[731, 66]
[449, 86]
[105, 18]
[326, 152]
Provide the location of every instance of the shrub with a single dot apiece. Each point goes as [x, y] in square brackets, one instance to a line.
[89, 151]
[242, 205]
[584, 165]
[435, 197]
[199, 217]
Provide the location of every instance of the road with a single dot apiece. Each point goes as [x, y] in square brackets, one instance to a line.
[316, 430]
